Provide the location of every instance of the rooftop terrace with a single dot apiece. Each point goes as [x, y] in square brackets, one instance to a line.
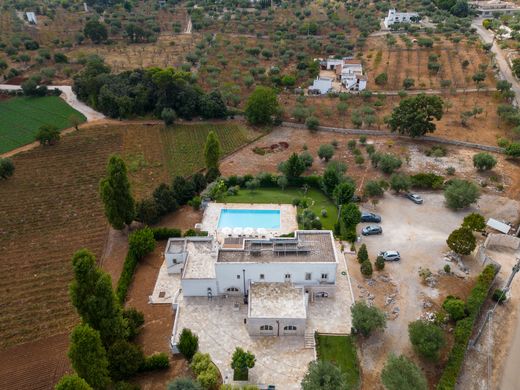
[276, 300]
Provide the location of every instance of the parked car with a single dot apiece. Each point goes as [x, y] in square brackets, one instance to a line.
[370, 230]
[370, 217]
[414, 198]
[390, 255]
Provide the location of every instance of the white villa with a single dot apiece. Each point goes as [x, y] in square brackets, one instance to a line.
[275, 277]
[489, 8]
[348, 71]
[399, 17]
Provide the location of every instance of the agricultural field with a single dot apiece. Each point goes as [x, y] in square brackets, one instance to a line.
[457, 61]
[155, 154]
[22, 117]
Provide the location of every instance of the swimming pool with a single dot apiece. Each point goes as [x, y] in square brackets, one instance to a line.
[267, 219]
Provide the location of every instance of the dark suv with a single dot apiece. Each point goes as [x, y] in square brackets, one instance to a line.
[370, 217]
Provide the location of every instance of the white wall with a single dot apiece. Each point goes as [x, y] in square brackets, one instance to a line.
[198, 287]
[254, 324]
[273, 272]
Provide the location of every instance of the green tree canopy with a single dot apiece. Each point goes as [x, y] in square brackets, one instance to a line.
[92, 295]
[344, 192]
[323, 375]
[366, 319]
[400, 373]
[484, 161]
[188, 343]
[460, 194]
[261, 106]
[326, 151]
[414, 116]
[212, 150]
[474, 222]
[116, 195]
[462, 241]
[96, 31]
[242, 361]
[426, 338]
[124, 359]
[47, 135]
[72, 382]
[88, 357]
[6, 168]
[373, 189]
[142, 242]
[400, 182]
[293, 167]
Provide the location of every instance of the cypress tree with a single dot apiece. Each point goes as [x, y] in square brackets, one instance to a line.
[116, 195]
[212, 150]
[88, 357]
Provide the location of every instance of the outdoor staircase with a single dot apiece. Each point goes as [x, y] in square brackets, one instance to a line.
[309, 341]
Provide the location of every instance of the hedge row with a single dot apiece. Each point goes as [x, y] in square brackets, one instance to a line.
[163, 233]
[266, 180]
[157, 361]
[464, 329]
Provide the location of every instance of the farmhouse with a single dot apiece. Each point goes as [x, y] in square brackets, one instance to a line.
[493, 7]
[399, 17]
[276, 277]
[348, 71]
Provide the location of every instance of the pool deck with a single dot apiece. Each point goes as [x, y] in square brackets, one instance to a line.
[288, 222]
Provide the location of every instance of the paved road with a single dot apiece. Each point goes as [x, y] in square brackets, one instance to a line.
[69, 96]
[501, 59]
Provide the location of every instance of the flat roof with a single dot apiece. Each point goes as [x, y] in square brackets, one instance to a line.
[201, 255]
[276, 300]
[308, 246]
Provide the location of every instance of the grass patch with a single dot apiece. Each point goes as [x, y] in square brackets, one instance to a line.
[184, 144]
[340, 351]
[316, 200]
[23, 116]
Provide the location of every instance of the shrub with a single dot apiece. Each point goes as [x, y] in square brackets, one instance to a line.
[326, 151]
[135, 320]
[400, 373]
[379, 263]
[474, 222]
[366, 268]
[188, 343]
[460, 194]
[499, 295]
[307, 159]
[399, 182]
[195, 202]
[388, 163]
[450, 171]
[184, 384]
[426, 338]
[146, 211]
[163, 233]
[312, 123]
[447, 268]
[141, 242]
[168, 115]
[241, 362]
[381, 79]
[456, 308]
[351, 145]
[157, 361]
[362, 254]
[48, 135]
[427, 181]
[72, 382]
[484, 161]
[462, 241]
[124, 359]
[322, 374]
[373, 189]
[366, 319]
[6, 168]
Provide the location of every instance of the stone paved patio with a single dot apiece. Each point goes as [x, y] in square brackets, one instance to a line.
[281, 361]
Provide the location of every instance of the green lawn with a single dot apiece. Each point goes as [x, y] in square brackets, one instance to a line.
[184, 144]
[315, 198]
[21, 117]
[340, 351]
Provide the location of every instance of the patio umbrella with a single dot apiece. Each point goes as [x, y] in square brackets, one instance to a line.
[237, 231]
[261, 231]
[227, 231]
[248, 231]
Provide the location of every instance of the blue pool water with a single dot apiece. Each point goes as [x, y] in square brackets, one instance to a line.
[267, 219]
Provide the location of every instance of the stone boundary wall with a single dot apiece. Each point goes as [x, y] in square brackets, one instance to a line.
[502, 240]
[426, 138]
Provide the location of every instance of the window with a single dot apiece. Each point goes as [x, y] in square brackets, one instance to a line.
[287, 276]
[266, 327]
[232, 289]
[324, 276]
[262, 276]
[289, 327]
[308, 276]
[238, 276]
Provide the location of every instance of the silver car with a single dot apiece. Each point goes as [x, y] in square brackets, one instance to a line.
[390, 255]
[414, 198]
[370, 230]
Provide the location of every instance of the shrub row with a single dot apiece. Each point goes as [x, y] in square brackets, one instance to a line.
[266, 180]
[427, 181]
[464, 328]
[157, 361]
[163, 233]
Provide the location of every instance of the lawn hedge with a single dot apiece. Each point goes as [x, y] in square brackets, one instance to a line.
[464, 328]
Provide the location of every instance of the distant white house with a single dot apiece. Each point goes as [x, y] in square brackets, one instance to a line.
[31, 17]
[489, 8]
[399, 17]
[321, 86]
